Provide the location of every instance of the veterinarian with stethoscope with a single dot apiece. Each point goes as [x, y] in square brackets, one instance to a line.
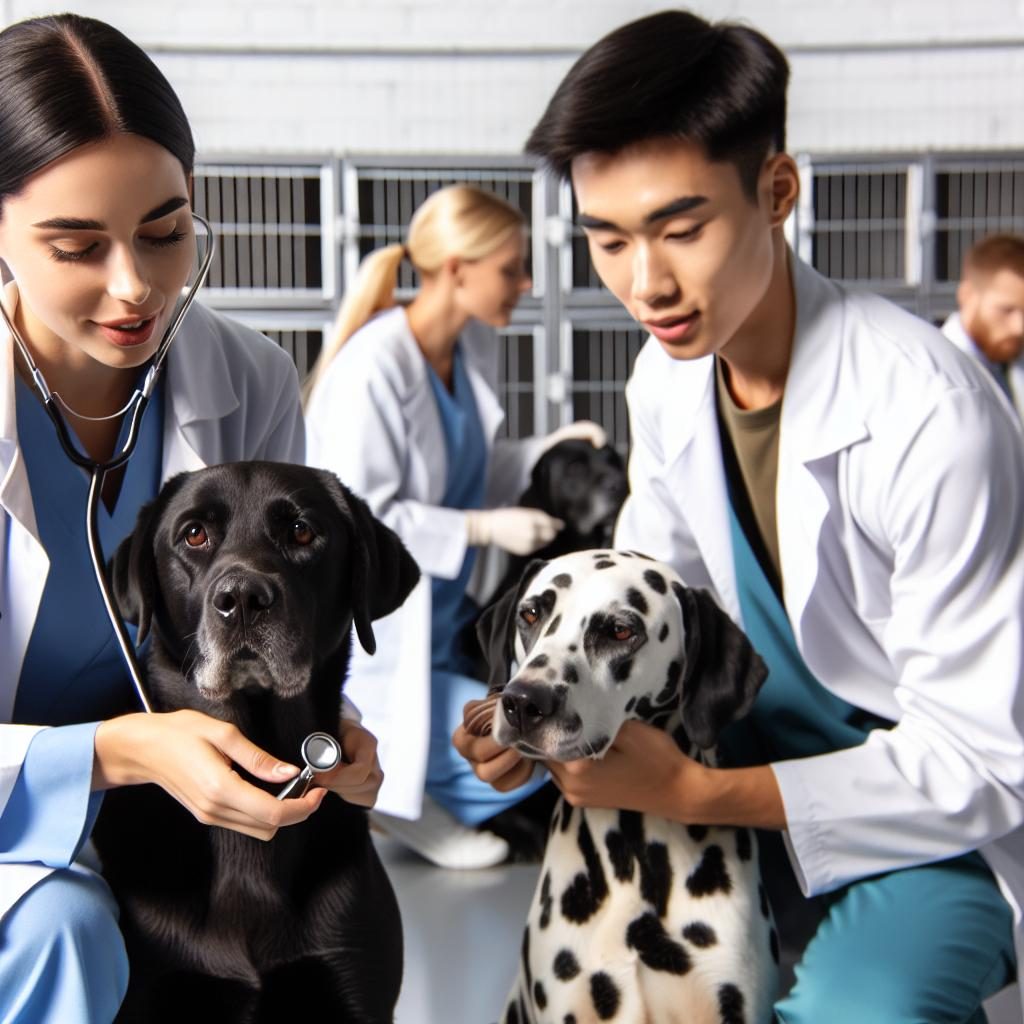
[850, 488]
[403, 408]
[96, 233]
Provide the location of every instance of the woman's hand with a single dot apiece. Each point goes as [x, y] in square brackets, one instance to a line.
[192, 757]
[359, 779]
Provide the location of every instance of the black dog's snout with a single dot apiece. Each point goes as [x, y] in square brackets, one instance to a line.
[527, 705]
[240, 597]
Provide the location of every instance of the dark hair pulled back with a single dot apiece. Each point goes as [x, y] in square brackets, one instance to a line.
[66, 81]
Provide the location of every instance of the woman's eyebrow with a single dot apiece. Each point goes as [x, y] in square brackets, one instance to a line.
[80, 224]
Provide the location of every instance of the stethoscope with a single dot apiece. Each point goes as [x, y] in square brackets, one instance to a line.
[320, 751]
[135, 407]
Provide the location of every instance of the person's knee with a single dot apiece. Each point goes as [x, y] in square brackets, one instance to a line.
[62, 936]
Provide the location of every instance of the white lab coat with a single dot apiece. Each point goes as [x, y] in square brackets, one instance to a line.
[231, 395]
[373, 421]
[954, 329]
[901, 537]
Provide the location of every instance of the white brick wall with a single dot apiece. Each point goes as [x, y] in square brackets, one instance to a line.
[462, 76]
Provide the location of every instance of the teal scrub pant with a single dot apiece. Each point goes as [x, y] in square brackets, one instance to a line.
[923, 945]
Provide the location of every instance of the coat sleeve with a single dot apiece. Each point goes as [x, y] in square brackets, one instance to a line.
[357, 428]
[949, 776]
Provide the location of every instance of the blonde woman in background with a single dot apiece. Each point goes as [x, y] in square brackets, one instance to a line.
[402, 406]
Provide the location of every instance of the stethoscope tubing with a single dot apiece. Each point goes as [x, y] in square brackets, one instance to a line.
[137, 406]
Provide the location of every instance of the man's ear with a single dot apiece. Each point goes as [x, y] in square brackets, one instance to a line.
[132, 570]
[496, 628]
[723, 673]
[781, 178]
[383, 571]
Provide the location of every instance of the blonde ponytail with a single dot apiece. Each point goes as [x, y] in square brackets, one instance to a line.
[372, 290]
[458, 220]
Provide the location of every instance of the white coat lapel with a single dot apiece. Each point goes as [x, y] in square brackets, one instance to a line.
[695, 474]
[19, 536]
[819, 420]
[200, 392]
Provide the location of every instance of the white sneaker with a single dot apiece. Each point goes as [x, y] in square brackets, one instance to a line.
[442, 839]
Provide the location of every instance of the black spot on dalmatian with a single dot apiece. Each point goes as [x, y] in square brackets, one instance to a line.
[555, 623]
[648, 937]
[640, 554]
[604, 565]
[730, 1005]
[524, 955]
[563, 580]
[698, 833]
[655, 581]
[573, 648]
[763, 897]
[744, 844]
[605, 995]
[630, 704]
[626, 554]
[570, 675]
[540, 997]
[566, 815]
[539, 662]
[773, 944]
[512, 1017]
[700, 934]
[710, 875]
[636, 600]
[599, 555]
[586, 892]
[566, 966]
[671, 687]
[570, 1018]
[628, 849]
[621, 669]
[545, 900]
[663, 632]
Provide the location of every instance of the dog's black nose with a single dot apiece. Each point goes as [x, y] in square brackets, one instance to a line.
[240, 597]
[526, 705]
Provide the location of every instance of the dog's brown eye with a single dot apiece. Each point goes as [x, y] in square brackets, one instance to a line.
[529, 615]
[195, 535]
[301, 533]
[622, 633]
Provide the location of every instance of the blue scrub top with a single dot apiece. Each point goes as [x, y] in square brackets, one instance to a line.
[73, 671]
[466, 453]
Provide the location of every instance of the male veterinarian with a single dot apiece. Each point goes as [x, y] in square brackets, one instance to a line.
[849, 487]
[989, 324]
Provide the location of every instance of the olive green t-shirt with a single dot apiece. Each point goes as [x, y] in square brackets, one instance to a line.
[755, 440]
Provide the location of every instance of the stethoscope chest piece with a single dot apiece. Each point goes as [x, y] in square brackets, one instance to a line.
[322, 753]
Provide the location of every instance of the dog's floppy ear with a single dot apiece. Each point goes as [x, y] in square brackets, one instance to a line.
[383, 571]
[132, 570]
[496, 628]
[723, 672]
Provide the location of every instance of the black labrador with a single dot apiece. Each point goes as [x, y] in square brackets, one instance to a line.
[248, 578]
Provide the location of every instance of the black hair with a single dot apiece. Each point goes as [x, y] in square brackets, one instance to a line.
[66, 81]
[671, 75]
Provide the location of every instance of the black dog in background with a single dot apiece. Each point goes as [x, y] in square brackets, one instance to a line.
[583, 486]
[248, 578]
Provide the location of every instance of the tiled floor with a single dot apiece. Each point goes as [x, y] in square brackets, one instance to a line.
[462, 935]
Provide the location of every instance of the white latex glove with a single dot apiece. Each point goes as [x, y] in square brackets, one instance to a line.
[581, 430]
[520, 531]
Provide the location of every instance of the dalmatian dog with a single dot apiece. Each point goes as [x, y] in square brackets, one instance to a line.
[635, 918]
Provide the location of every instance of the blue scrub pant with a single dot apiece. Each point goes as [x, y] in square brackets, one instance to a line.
[62, 958]
[450, 780]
